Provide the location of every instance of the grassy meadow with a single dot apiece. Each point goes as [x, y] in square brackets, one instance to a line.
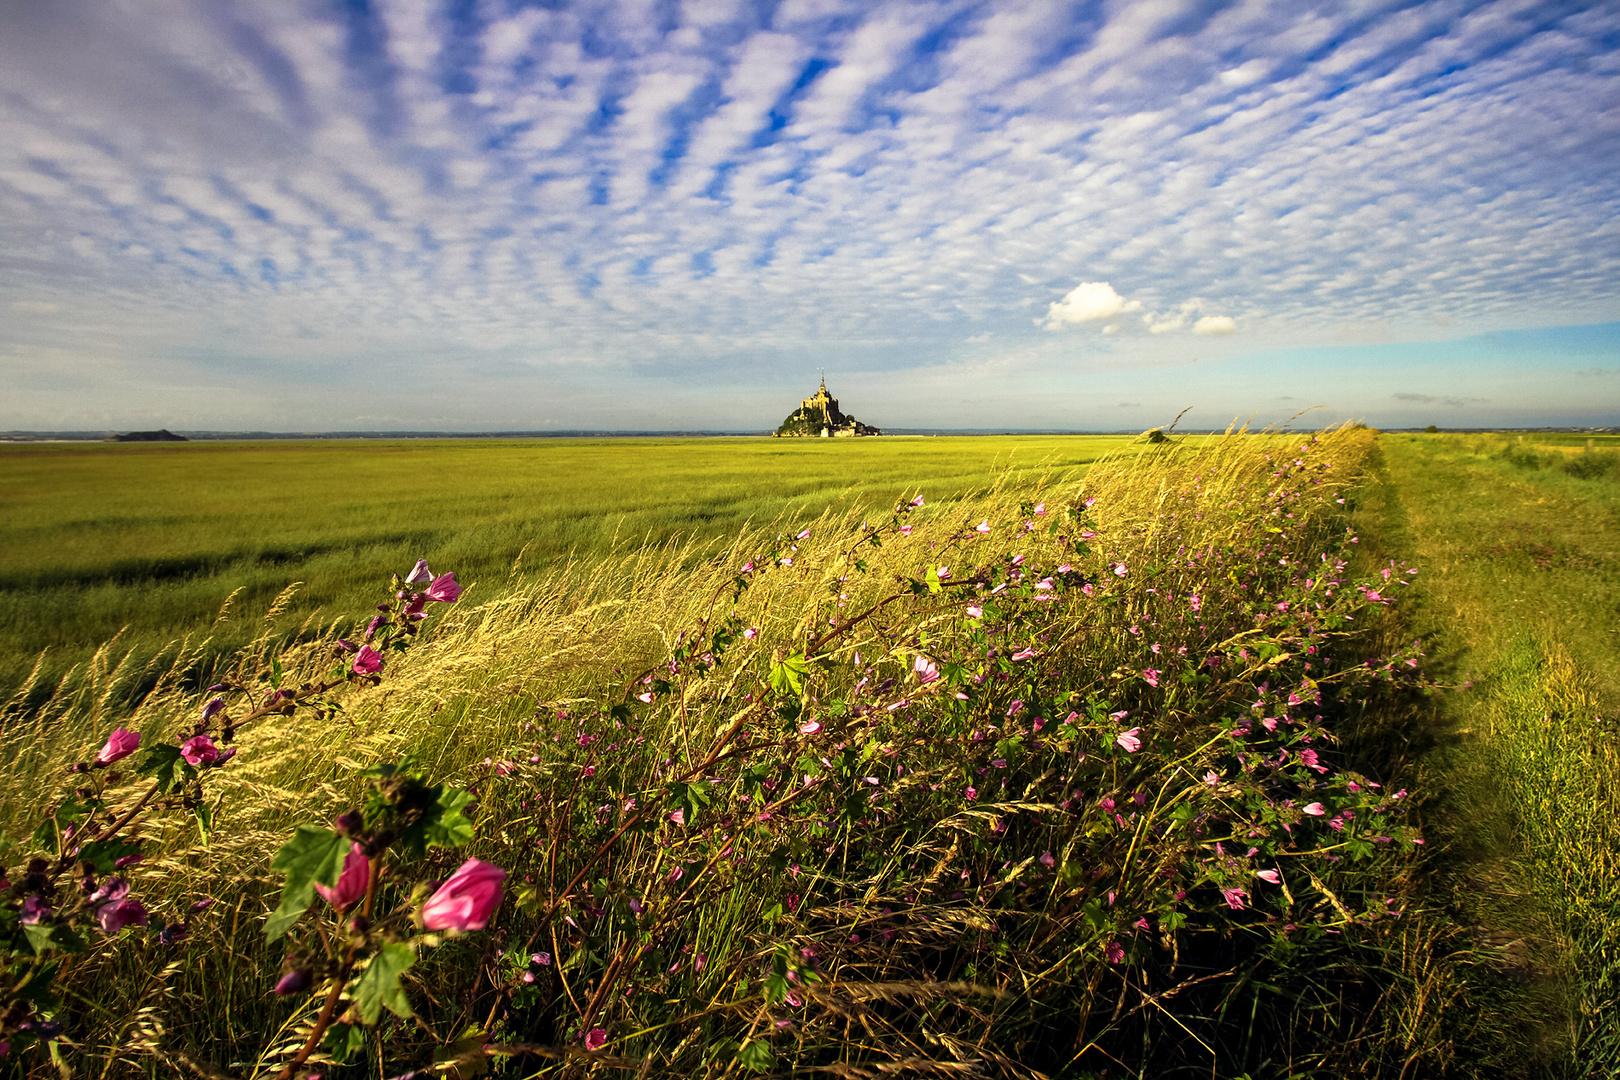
[1095, 764]
[1519, 541]
[152, 539]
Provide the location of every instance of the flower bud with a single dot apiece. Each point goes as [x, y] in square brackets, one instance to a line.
[295, 981]
[349, 823]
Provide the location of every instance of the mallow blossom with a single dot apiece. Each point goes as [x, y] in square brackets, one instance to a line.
[467, 900]
[419, 573]
[1128, 740]
[444, 589]
[199, 750]
[120, 744]
[367, 661]
[351, 884]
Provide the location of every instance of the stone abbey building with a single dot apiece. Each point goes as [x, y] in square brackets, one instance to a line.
[818, 416]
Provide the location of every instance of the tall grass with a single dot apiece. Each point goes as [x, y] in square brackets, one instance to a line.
[894, 851]
[1521, 568]
[149, 541]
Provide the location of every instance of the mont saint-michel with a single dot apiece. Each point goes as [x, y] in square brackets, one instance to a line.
[818, 416]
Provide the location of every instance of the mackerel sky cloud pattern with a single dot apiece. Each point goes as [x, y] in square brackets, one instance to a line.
[653, 215]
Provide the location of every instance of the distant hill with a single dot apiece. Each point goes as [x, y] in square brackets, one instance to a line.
[149, 436]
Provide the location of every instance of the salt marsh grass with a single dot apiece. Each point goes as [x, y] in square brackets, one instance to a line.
[151, 540]
[1056, 785]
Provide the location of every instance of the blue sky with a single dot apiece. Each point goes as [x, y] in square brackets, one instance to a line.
[656, 214]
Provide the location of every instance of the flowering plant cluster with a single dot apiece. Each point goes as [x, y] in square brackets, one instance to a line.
[76, 891]
[1080, 749]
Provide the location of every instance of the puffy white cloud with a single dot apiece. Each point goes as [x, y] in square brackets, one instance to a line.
[1215, 324]
[1088, 301]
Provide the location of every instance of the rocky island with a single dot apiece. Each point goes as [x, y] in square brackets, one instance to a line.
[818, 416]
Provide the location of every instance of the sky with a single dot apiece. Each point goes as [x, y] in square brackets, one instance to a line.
[479, 215]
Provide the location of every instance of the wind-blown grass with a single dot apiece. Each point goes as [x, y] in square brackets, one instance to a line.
[151, 541]
[922, 821]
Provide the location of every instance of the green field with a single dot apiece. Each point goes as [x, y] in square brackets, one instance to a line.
[155, 537]
[979, 896]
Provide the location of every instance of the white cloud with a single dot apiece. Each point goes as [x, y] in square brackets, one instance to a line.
[1088, 301]
[1215, 324]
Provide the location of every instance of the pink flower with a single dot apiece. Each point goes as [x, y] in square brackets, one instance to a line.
[115, 916]
[1040, 508]
[748, 567]
[541, 958]
[1118, 568]
[1044, 585]
[810, 727]
[943, 573]
[1269, 875]
[595, 1039]
[1114, 952]
[199, 750]
[751, 633]
[678, 817]
[1234, 895]
[351, 884]
[1151, 676]
[367, 661]
[1047, 860]
[467, 900]
[918, 501]
[213, 707]
[803, 536]
[983, 526]
[972, 793]
[1128, 741]
[926, 671]
[1315, 809]
[419, 573]
[120, 744]
[1023, 654]
[444, 589]
[974, 611]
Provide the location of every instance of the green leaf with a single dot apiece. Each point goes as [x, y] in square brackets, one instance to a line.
[451, 827]
[45, 936]
[342, 1040]
[205, 821]
[378, 986]
[788, 674]
[314, 854]
[104, 854]
[160, 764]
[756, 1055]
[275, 673]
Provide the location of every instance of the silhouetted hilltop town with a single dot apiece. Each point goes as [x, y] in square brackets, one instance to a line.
[818, 416]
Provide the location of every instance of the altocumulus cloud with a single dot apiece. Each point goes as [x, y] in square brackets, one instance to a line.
[212, 205]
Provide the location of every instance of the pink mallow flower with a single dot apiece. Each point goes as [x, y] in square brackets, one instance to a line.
[983, 526]
[1128, 740]
[367, 661]
[467, 900]
[1114, 952]
[419, 573]
[1235, 895]
[199, 750]
[1315, 809]
[118, 914]
[351, 884]
[444, 589]
[120, 744]
[926, 671]
[595, 1039]
[1269, 875]
[1151, 676]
